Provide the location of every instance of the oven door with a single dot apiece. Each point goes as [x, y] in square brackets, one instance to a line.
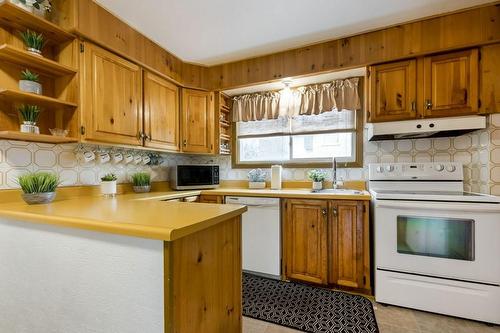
[441, 239]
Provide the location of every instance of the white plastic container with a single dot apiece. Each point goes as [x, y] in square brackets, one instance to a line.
[276, 171]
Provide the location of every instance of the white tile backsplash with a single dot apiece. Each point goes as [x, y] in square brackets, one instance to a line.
[478, 151]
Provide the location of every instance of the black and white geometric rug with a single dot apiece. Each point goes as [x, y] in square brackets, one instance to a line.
[306, 308]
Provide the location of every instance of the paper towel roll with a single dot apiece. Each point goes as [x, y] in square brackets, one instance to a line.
[276, 177]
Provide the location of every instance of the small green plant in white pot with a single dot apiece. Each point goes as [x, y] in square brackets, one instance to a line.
[30, 82]
[257, 179]
[108, 185]
[142, 182]
[29, 115]
[317, 177]
[33, 41]
[38, 187]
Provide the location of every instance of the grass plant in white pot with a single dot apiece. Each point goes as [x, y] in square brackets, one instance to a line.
[38, 187]
[30, 82]
[29, 115]
[108, 185]
[317, 177]
[33, 41]
[257, 179]
[142, 182]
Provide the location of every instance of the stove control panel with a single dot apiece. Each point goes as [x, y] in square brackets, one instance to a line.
[416, 171]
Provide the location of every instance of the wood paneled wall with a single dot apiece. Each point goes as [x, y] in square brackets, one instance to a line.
[472, 27]
[468, 28]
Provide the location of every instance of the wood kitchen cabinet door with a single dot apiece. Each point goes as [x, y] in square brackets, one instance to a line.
[349, 244]
[161, 113]
[305, 240]
[393, 91]
[451, 84]
[198, 123]
[208, 198]
[112, 97]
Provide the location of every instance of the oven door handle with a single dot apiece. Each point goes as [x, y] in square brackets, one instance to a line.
[466, 207]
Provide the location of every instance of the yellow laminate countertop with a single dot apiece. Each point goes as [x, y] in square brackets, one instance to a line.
[288, 193]
[127, 214]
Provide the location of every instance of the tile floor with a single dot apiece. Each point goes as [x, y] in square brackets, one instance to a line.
[392, 319]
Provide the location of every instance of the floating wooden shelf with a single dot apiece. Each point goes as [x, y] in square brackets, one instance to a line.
[19, 136]
[225, 108]
[225, 137]
[223, 151]
[20, 19]
[24, 58]
[224, 123]
[29, 98]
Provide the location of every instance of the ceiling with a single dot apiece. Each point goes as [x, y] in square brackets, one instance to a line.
[218, 31]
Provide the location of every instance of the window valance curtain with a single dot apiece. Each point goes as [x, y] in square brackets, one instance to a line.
[307, 100]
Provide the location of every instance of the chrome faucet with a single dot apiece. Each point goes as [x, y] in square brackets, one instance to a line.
[335, 183]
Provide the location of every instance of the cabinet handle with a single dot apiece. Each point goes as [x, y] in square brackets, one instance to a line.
[184, 143]
[140, 135]
[147, 137]
[323, 211]
[428, 104]
[414, 106]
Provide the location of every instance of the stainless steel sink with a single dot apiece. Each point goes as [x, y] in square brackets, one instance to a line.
[339, 191]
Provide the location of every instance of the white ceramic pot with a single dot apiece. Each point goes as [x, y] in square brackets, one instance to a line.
[29, 127]
[34, 51]
[30, 86]
[28, 6]
[317, 186]
[108, 188]
[256, 185]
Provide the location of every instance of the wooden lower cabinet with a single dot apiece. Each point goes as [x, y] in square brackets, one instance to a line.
[327, 242]
[305, 240]
[209, 198]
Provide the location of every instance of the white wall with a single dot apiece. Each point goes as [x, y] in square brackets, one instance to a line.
[61, 280]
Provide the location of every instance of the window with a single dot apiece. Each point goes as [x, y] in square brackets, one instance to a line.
[308, 139]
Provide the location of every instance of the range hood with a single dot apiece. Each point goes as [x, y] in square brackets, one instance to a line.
[424, 128]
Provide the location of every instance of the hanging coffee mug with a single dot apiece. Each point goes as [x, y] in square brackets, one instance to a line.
[128, 158]
[137, 159]
[117, 157]
[145, 159]
[103, 157]
[85, 156]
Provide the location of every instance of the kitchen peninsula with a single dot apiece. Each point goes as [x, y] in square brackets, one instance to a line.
[120, 265]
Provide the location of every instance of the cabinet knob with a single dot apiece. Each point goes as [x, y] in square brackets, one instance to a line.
[140, 135]
[147, 137]
[428, 104]
[184, 143]
[323, 211]
[335, 212]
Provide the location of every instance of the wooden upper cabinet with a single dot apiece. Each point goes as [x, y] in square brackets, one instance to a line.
[112, 97]
[198, 123]
[451, 84]
[393, 91]
[161, 113]
[349, 237]
[305, 240]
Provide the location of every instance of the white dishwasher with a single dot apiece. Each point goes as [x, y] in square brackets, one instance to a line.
[261, 235]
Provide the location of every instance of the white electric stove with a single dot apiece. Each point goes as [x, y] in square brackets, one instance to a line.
[437, 248]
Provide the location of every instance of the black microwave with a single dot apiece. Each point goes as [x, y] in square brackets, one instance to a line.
[194, 176]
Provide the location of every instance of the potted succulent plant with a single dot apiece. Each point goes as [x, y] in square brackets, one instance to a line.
[317, 177]
[33, 41]
[108, 185]
[29, 115]
[257, 178]
[30, 82]
[38, 187]
[142, 182]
